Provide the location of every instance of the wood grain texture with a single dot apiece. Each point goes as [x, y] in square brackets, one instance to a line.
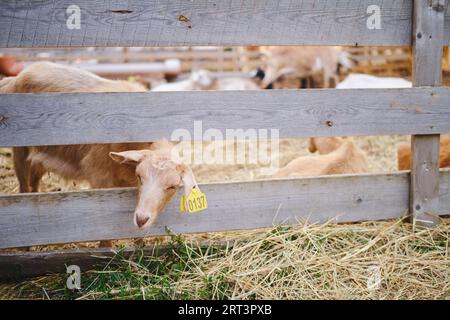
[22, 264]
[19, 265]
[42, 23]
[76, 118]
[428, 40]
[424, 190]
[32, 219]
[447, 25]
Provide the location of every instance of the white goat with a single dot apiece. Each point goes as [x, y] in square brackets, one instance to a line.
[365, 81]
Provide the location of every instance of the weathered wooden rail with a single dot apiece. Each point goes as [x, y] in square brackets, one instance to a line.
[52, 119]
[49, 119]
[57, 217]
[205, 22]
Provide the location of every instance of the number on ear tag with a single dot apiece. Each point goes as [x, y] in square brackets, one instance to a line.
[195, 202]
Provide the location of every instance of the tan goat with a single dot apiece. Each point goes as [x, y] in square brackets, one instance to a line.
[404, 154]
[324, 145]
[346, 158]
[303, 62]
[150, 166]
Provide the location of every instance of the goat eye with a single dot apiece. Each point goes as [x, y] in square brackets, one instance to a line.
[171, 188]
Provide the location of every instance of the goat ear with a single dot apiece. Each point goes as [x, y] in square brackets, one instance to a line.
[129, 157]
[312, 145]
[188, 179]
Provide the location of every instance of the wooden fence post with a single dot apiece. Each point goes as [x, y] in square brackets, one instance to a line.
[428, 41]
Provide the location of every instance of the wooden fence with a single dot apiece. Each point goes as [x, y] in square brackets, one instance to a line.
[51, 119]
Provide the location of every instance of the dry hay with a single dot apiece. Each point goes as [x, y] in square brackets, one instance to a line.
[334, 262]
[382, 260]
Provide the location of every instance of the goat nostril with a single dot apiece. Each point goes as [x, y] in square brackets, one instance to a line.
[141, 221]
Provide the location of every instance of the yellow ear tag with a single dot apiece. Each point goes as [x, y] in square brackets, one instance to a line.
[196, 201]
